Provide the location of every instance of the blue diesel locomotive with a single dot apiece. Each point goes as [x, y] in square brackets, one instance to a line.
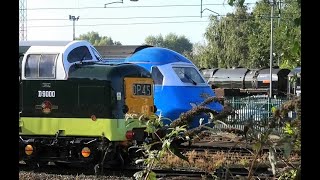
[179, 86]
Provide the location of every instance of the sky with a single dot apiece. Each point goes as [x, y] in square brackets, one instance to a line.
[125, 21]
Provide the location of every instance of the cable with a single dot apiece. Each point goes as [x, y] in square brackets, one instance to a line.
[142, 23]
[122, 24]
[117, 7]
[159, 6]
[146, 17]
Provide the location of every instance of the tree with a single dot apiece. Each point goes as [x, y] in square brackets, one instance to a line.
[171, 41]
[227, 40]
[155, 40]
[288, 34]
[243, 39]
[95, 39]
[259, 39]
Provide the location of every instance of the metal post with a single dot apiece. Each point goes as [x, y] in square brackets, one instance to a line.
[201, 9]
[271, 49]
[74, 30]
[74, 19]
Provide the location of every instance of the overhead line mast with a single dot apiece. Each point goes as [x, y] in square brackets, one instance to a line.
[22, 20]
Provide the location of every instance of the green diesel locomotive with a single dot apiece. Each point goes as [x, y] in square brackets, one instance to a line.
[76, 109]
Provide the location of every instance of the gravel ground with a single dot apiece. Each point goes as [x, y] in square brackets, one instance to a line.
[24, 175]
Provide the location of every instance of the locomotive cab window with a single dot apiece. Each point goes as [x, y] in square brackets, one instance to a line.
[79, 54]
[157, 76]
[96, 53]
[188, 75]
[40, 66]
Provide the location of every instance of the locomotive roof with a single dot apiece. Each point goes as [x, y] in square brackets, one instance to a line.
[208, 73]
[104, 71]
[264, 74]
[234, 73]
[280, 72]
[157, 56]
[43, 43]
[52, 46]
[251, 74]
[25, 45]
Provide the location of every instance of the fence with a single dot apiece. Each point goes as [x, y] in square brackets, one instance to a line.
[253, 109]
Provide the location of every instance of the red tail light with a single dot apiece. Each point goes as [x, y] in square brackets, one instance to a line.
[129, 135]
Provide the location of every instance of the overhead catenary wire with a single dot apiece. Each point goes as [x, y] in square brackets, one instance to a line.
[121, 7]
[135, 23]
[145, 17]
[125, 24]
[118, 18]
[124, 7]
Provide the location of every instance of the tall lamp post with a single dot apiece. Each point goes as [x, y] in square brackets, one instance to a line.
[74, 19]
[271, 49]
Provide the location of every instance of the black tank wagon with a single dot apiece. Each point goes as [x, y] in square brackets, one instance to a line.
[294, 84]
[242, 81]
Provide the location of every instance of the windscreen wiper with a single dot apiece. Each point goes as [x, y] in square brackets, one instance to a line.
[189, 78]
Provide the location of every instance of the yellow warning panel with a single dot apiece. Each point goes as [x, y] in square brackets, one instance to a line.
[139, 96]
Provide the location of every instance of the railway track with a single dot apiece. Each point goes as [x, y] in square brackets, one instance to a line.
[227, 147]
[234, 159]
[231, 167]
[127, 173]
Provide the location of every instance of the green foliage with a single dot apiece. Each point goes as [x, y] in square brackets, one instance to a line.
[153, 155]
[171, 41]
[155, 40]
[154, 123]
[237, 2]
[257, 146]
[288, 129]
[166, 138]
[95, 39]
[145, 175]
[287, 149]
[291, 174]
[292, 139]
[242, 38]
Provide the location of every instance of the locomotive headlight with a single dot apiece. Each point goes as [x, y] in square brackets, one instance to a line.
[85, 152]
[129, 135]
[28, 149]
